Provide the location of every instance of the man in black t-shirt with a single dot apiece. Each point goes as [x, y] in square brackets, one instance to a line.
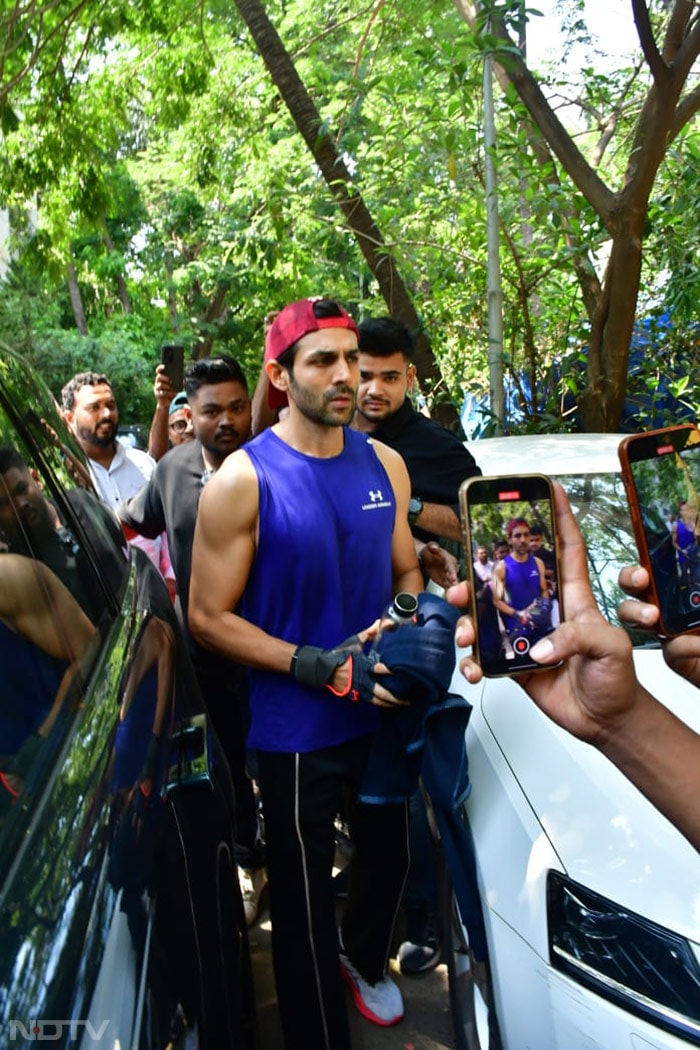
[436, 459]
[437, 464]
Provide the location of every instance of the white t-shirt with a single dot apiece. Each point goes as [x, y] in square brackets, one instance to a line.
[125, 476]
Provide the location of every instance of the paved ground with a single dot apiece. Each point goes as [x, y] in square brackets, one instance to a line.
[426, 1025]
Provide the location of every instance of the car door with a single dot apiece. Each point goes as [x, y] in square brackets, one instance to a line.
[120, 916]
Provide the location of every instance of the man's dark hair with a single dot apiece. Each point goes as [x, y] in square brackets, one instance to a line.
[78, 381]
[212, 370]
[10, 458]
[384, 336]
[321, 308]
[536, 530]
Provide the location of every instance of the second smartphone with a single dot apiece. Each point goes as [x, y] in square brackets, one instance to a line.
[510, 552]
[661, 472]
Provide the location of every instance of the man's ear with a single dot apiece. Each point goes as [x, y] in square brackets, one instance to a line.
[278, 375]
[67, 417]
[411, 375]
[36, 478]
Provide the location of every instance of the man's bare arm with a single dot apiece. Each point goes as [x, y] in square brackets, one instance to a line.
[222, 556]
[499, 590]
[164, 392]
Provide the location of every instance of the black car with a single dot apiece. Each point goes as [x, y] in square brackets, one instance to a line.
[121, 922]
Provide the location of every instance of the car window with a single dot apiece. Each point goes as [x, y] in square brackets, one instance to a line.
[54, 606]
[599, 504]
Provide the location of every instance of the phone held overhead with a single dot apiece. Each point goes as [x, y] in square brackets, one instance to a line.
[172, 357]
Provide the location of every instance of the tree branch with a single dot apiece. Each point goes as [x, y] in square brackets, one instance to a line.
[514, 69]
[685, 111]
[677, 29]
[658, 67]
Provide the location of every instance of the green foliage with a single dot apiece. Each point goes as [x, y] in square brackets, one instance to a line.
[170, 179]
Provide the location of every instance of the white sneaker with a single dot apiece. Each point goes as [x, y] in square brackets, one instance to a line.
[380, 1002]
[252, 883]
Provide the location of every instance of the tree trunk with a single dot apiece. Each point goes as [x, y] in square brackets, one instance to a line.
[122, 290]
[335, 172]
[612, 325]
[202, 347]
[76, 300]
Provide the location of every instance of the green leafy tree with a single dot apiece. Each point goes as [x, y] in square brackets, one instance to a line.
[670, 42]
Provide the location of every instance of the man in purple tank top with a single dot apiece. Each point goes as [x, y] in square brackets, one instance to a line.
[302, 539]
[521, 592]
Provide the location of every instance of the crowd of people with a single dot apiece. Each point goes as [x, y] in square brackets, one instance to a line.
[283, 525]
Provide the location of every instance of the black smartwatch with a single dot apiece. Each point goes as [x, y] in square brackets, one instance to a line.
[415, 509]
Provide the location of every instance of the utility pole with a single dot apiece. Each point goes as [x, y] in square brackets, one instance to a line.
[493, 270]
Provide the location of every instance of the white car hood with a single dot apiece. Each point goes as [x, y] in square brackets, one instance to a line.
[605, 832]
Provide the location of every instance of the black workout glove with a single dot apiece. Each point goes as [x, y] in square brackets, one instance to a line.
[315, 667]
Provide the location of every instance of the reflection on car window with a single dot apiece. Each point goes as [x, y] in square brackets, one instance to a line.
[600, 507]
[45, 647]
[32, 525]
[53, 603]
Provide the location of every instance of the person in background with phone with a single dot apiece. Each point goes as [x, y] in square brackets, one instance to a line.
[180, 428]
[171, 423]
[594, 693]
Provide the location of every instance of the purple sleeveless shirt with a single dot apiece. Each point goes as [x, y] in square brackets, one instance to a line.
[522, 586]
[322, 572]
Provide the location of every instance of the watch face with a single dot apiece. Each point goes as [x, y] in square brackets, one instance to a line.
[415, 506]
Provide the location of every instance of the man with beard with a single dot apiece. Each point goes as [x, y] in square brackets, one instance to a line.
[90, 410]
[219, 407]
[307, 528]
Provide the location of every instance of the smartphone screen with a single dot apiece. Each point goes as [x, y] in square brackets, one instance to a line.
[510, 550]
[172, 357]
[661, 472]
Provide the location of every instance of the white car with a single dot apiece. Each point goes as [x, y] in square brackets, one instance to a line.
[590, 897]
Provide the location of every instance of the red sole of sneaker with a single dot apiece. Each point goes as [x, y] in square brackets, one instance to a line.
[362, 1008]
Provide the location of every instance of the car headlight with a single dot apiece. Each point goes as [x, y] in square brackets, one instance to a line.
[634, 963]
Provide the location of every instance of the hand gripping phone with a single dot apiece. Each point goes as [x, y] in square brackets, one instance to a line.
[661, 472]
[514, 583]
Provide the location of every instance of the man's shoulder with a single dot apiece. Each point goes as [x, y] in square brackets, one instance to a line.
[181, 457]
[427, 425]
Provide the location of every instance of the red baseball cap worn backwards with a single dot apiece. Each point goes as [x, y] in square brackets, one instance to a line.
[291, 324]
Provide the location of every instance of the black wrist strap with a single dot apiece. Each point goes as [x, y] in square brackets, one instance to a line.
[315, 667]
